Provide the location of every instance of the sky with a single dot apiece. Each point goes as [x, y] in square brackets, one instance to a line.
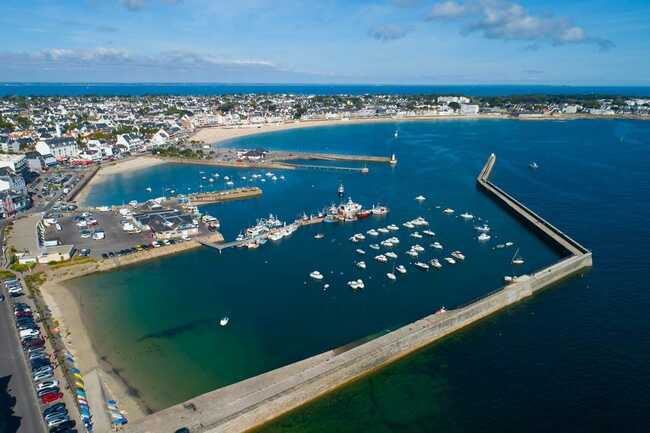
[559, 42]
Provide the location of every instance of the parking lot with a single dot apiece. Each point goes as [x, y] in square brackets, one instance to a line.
[115, 238]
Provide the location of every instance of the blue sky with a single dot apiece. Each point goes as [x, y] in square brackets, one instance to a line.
[566, 42]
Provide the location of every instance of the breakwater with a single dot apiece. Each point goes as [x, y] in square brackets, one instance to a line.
[249, 403]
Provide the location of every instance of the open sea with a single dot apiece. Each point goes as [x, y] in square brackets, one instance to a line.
[573, 358]
[140, 89]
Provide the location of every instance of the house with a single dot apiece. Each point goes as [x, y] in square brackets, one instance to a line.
[17, 163]
[60, 148]
[468, 109]
[159, 138]
[9, 180]
[130, 143]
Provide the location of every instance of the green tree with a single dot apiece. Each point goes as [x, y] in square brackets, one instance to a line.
[454, 106]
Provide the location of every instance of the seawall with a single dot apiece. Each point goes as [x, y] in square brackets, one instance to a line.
[249, 403]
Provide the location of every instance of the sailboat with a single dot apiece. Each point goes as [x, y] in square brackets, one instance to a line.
[517, 260]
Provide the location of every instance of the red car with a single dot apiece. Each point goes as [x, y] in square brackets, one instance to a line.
[51, 397]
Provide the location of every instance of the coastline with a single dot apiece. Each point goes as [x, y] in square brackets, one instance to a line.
[219, 134]
[136, 163]
[63, 304]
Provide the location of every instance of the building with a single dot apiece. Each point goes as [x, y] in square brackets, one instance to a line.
[34, 162]
[167, 223]
[468, 109]
[159, 138]
[17, 163]
[60, 148]
[457, 99]
[130, 143]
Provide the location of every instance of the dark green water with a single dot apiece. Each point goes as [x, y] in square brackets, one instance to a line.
[156, 322]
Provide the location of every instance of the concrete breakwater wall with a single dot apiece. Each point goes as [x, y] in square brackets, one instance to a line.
[249, 403]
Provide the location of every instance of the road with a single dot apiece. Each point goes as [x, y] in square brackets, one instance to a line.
[14, 365]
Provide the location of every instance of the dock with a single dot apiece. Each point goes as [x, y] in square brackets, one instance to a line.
[203, 198]
[248, 404]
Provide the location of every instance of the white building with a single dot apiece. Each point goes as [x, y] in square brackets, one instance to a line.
[458, 99]
[468, 109]
[160, 138]
[130, 142]
[60, 148]
[17, 163]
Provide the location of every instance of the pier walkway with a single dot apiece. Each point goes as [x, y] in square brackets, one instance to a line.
[252, 402]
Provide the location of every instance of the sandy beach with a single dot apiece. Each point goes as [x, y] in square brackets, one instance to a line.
[217, 134]
[137, 163]
[63, 304]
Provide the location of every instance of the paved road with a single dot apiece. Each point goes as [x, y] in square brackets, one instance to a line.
[14, 365]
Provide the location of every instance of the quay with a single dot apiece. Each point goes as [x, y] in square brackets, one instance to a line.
[363, 170]
[203, 198]
[257, 400]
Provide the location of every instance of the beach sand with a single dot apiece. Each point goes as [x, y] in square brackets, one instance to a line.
[217, 134]
[63, 304]
[137, 163]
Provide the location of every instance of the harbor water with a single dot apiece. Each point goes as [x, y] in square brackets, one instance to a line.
[157, 322]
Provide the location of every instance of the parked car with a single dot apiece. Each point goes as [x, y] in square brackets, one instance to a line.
[26, 333]
[51, 397]
[57, 420]
[46, 383]
[66, 427]
[84, 252]
[52, 389]
[55, 408]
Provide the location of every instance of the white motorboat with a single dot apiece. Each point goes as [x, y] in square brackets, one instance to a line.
[393, 240]
[412, 253]
[533, 165]
[416, 235]
[428, 232]
[467, 216]
[484, 237]
[361, 264]
[383, 230]
[274, 178]
[436, 263]
[355, 239]
[509, 244]
[450, 260]
[391, 276]
[319, 236]
[448, 211]
[381, 258]
[373, 232]
[316, 275]
[483, 229]
[401, 269]
[360, 236]
[437, 245]
[390, 255]
[230, 183]
[409, 225]
[392, 228]
[458, 255]
[374, 246]
[419, 222]
[360, 251]
[224, 321]
[417, 247]
[422, 266]
[148, 189]
[356, 284]
[387, 243]
[420, 198]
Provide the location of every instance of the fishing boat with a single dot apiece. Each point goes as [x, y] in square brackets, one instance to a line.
[450, 260]
[319, 236]
[401, 269]
[393, 240]
[361, 264]
[363, 214]
[381, 258]
[391, 276]
[509, 244]
[484, 237]
[387, 243]
[420, 198]
[436, 263]
[412, 253]
[224, 321]
[458, 255]
[448, 211]
[467, 216]
[516, 260]
[379, 210]
[422, 266]
[360, 251]
[356, 284]
[316, 275]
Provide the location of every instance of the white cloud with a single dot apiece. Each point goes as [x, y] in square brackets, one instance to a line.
[505, 20]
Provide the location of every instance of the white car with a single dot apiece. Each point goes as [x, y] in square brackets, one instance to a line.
[82, 223]
[26, 333]
[47, 384]
[99, 235]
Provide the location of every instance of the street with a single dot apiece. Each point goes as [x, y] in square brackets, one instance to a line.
[14, 366]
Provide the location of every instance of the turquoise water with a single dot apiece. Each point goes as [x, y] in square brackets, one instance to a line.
[157, 322]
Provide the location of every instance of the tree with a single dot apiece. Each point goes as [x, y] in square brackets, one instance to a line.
[454, 106]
